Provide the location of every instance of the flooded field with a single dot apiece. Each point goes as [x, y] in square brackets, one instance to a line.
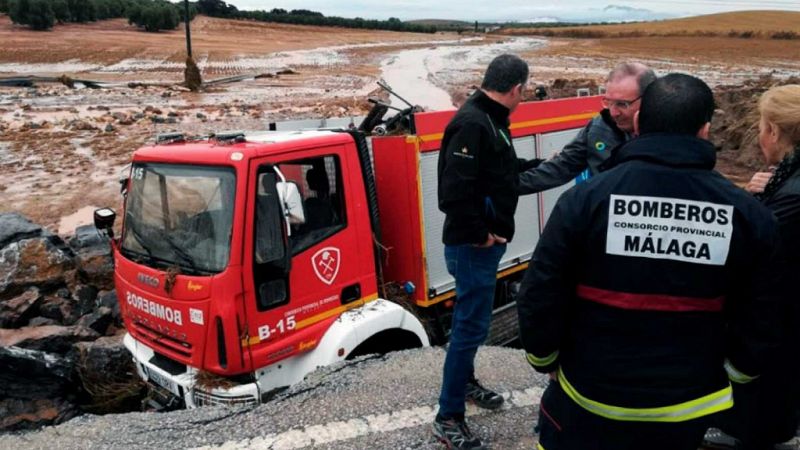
[63, 149]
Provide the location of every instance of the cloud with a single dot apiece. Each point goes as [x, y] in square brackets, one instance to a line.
[516, 10]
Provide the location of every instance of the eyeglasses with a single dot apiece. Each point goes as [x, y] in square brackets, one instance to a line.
[619, 104]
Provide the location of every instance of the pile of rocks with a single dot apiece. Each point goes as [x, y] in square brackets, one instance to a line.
[60, 326]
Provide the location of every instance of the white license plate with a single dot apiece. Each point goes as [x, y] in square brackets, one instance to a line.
[160, 380]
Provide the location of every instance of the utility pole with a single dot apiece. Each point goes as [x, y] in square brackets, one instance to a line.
[188, 31]
[191, 75]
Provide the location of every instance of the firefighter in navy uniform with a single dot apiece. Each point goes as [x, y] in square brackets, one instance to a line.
[650, 290]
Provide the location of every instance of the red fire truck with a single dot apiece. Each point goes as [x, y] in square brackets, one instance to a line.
[247, 260]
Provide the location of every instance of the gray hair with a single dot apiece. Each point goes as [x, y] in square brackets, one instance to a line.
[644, 75]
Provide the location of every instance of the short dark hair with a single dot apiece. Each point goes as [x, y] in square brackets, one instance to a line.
[676, 103]
[505, 72]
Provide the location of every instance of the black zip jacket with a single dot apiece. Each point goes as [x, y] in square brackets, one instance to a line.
[478, 171]
[649, 282]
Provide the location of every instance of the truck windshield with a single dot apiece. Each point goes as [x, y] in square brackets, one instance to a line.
[179, 216]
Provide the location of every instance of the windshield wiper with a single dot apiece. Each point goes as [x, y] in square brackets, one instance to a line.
[182, 254]
[140, 239]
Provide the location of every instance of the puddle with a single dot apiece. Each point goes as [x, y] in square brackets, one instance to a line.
[83, 216]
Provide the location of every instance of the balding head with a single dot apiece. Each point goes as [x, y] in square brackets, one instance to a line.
[643, 74]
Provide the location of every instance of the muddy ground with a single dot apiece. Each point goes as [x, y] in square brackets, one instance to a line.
[63, 149]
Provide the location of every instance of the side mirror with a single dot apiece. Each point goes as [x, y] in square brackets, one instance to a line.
[292, 202]
[104, 220]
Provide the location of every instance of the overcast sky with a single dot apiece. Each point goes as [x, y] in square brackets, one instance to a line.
[520, 10]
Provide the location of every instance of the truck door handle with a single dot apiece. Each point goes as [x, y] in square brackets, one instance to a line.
[351, 293]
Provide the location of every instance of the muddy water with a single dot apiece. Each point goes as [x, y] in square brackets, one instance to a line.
[421, 76]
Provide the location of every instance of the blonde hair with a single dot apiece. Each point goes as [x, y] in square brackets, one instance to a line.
[781, 106]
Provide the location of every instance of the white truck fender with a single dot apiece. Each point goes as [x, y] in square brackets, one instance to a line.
[347, 332]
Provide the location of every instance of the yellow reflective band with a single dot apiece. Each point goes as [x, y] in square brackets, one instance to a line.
[703, 406]
[539, 447]
[736, 376]
[541, 362]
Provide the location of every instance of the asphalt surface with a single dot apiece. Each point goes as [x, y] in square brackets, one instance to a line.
[374, 402]
[385, 402]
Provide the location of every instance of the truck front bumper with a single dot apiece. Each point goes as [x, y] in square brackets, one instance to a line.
[180, 381]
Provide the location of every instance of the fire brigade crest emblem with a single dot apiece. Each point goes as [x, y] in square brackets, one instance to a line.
[326, 264]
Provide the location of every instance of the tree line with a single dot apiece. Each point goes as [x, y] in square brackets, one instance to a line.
[218, 8]
[150, 15]
[156, 15]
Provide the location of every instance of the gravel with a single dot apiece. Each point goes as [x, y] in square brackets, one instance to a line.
[373, 402]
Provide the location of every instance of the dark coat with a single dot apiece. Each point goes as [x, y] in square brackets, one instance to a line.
[649, 281]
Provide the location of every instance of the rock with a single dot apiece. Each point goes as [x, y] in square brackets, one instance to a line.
[172, 114]
[138, 116]
[106, 355]
[35, 388]
[106, 370]
[18, 310]
[109, 128]
[108, 299]
[86, 236]
[49, 338]
[61, 310]
[80, 125]
[15, 227]
[119, 116]
[93, 257]
[26, 366]
[32, 262]
[41, 321]
[153, 110]
[16, 415]
[84, 296]
[200, 116]
[99, 320]
[158, 119]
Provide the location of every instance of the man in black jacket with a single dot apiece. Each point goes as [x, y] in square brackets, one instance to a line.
[649, 291]
[478, 171]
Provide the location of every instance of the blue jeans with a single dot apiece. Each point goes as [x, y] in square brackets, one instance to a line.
[475, 271]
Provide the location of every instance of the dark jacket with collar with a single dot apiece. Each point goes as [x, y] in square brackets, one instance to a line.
[478, 170]
[649, 281]
[590, 148]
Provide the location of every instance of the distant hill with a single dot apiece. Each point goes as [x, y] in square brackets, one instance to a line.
[743, 24]
[443, 24]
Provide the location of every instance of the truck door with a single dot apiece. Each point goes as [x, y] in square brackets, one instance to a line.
[331, 266]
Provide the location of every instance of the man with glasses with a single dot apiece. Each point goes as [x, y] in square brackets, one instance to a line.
[594, 143]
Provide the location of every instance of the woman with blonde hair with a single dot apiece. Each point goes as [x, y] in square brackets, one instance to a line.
[767, 410]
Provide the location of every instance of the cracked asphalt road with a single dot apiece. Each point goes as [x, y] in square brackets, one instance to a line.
[377, 402]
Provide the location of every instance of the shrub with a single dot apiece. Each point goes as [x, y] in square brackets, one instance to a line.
[61, 11]
[785, 35]
[155, 16]
[37, 14]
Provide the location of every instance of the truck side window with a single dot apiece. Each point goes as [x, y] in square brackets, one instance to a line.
[320, 184]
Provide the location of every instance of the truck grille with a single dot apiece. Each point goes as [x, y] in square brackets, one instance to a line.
[162, 341]
[202, 398]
